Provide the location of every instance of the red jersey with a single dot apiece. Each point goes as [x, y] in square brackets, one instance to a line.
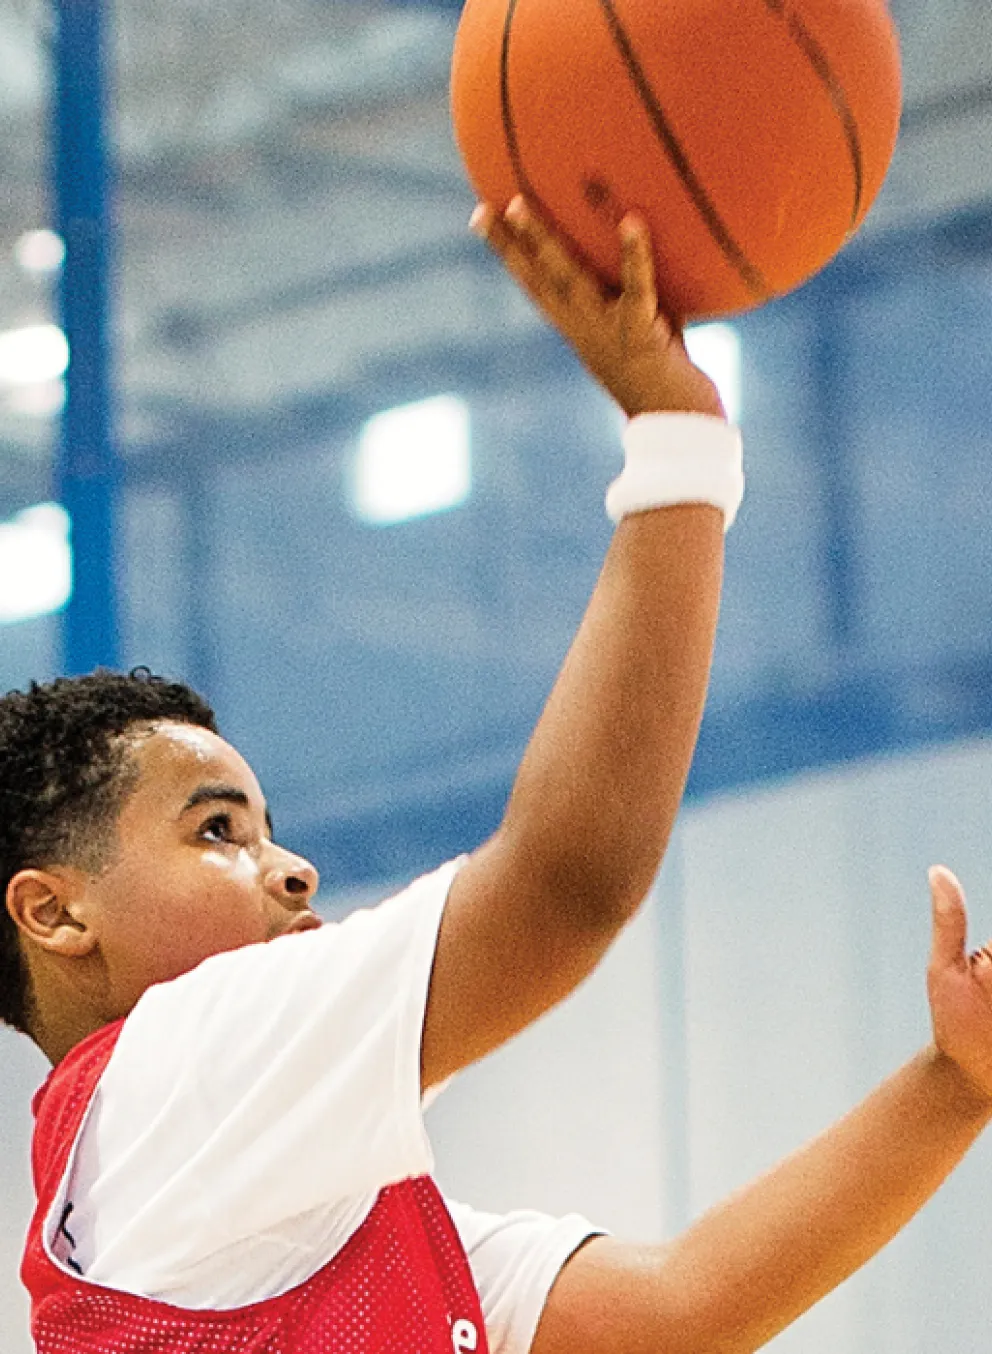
[401, 1284]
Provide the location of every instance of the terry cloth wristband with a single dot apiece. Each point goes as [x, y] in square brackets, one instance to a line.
[678, 458]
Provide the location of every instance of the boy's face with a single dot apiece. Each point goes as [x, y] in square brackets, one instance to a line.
[194, 871]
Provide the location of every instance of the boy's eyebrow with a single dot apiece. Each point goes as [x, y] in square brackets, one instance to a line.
[230, 794]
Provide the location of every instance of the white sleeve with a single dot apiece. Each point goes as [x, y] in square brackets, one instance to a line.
[515, 1259]
[268, 1082]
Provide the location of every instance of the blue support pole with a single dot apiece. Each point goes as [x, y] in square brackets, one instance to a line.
[87, 471]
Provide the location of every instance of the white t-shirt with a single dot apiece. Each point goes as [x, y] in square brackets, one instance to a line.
[252, 1110]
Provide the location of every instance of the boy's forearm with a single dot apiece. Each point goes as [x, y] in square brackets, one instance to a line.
[756, 1262]
[600, 784]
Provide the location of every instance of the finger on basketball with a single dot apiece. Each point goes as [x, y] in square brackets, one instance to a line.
[636, 257]
[638, 291]
[481, 221]
[504, 241]
[565, 278]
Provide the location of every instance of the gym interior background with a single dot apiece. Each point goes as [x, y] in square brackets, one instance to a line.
[283, 243]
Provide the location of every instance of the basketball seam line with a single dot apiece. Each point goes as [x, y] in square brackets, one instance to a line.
[524, 184]
[733, 252]
[509, 128]
[820, 62]
[807, 44]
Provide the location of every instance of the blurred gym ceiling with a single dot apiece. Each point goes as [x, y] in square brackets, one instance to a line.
[289, 195]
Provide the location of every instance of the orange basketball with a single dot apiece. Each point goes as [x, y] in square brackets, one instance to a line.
[753, 135]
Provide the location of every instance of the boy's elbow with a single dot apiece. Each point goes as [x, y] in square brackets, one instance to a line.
[598, 890]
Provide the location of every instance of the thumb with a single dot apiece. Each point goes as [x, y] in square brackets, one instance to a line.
[950, 919]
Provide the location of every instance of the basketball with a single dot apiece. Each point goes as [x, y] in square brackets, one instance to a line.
[752, 135]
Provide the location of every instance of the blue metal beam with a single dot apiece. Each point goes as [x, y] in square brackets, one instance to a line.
[87, 470]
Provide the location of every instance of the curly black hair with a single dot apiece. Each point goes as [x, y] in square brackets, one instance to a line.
[65, 771]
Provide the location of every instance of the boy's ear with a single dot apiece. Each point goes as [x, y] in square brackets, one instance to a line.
[44, 907]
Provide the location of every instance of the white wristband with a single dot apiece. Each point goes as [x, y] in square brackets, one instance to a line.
[678, 458]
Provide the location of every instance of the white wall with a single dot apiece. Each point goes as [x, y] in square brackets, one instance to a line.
[796, 922]
[21, 1071]
[778, 973]
[807, 937]
[569, 1116]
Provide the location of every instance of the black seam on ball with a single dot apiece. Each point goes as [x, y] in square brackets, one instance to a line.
[818, 59]
[731, 250]
[509, 127]
[524, 184]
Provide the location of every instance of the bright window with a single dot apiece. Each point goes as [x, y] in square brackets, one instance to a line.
[35, 563]
[413, 460]
[716, 349]
[36, 353]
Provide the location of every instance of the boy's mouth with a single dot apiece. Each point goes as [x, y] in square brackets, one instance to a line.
[302, 921]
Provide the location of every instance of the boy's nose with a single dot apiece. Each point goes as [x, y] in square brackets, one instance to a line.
[293, 880]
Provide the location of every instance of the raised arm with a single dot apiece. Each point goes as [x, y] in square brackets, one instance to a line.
[756, 1262]
[599, 787]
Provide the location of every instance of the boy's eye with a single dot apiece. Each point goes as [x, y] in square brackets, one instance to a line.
[218, 828]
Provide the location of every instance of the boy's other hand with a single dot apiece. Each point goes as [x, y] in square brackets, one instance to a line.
[959, 985]
[624, 340]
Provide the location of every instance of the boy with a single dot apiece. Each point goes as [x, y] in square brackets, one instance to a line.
[229, 1155]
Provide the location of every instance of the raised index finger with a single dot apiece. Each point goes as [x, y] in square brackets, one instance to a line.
[950, 920]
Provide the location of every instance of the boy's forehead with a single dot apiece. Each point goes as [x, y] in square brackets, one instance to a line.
[180, 756]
